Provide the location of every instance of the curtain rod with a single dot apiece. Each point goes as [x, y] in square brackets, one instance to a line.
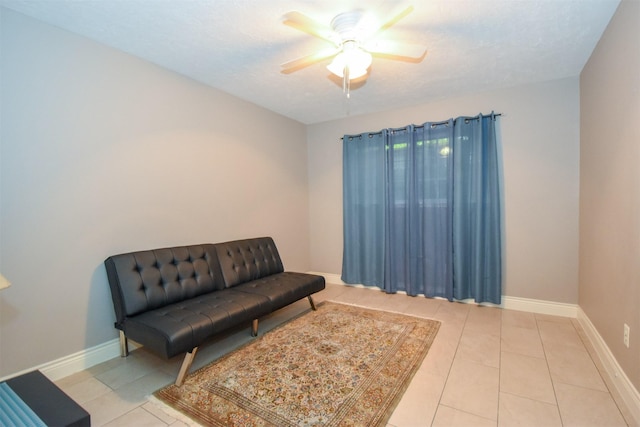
[436, 123]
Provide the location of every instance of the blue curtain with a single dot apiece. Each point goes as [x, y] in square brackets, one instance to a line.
[364, 208]
[423, 209]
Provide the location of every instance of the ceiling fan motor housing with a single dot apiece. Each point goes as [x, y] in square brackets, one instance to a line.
[346, 25]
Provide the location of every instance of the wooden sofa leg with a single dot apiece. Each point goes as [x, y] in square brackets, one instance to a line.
[186, 364]
[254, 328]
[124, 345]
[313, 305]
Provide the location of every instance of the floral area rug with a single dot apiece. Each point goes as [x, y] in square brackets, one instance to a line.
[341, 365]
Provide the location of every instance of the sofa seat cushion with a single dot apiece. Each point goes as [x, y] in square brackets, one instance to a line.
[180, 327]
[284, 288]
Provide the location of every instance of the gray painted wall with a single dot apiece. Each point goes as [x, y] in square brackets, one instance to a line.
[610, 187]
[103, 153]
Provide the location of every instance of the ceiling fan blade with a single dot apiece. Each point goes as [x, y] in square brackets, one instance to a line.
[305, 61]
[394, 19]
[396, 50]
[304, 23]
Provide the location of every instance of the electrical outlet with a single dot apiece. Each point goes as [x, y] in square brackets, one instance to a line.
[627, 331]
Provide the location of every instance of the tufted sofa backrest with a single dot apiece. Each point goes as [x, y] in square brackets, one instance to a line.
[248, 259]
[145, 280]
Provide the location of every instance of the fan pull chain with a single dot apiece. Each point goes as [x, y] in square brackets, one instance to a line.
[346, 82]
[346, 89]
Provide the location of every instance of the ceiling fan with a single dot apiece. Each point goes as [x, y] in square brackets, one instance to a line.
[354, 37]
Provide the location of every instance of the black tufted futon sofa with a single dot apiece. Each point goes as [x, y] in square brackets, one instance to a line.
[171, 300]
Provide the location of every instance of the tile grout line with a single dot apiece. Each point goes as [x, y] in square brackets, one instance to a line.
[499, 369]
[450, 366]
[546, 361]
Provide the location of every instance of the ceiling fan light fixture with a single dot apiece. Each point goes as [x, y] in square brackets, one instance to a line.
[353, 58]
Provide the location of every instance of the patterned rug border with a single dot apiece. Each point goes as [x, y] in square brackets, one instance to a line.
[182, 412]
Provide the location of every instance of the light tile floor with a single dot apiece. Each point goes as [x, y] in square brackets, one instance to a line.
[486, 367]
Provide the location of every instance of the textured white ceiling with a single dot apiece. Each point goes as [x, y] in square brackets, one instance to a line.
[238, 45]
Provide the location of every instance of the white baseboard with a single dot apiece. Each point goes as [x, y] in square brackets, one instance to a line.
[621, 382]
[77, 362]
[330, 278]
[81, 360]
[511, 303]
[540, 306]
